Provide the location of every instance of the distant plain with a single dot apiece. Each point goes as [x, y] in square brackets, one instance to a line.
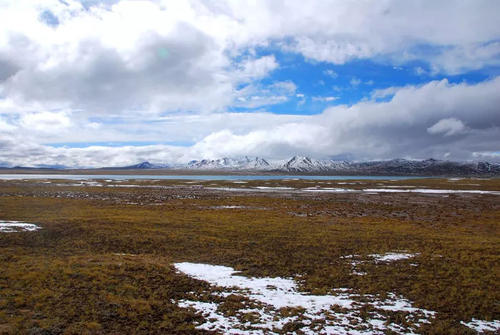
[103, 260]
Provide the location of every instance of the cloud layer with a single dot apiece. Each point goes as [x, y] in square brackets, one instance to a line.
[200, 73]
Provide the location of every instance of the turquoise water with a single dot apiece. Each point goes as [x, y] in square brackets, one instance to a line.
[196, 177]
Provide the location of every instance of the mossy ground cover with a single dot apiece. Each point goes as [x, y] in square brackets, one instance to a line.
[103, 261]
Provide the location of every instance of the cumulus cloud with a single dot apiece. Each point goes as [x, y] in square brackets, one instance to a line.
[418, 121]
[256, 68]
[46, 121]
[254, 96]
[167, 55]
[447, 127]
[139, 57]
[404, 126]
[167, 71]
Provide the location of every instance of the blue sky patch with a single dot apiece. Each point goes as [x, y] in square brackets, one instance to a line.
[321, 84]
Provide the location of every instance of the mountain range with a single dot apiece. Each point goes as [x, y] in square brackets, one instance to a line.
[307, 165]
[300, 164]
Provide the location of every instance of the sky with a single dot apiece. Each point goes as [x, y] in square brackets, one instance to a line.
[111, 83]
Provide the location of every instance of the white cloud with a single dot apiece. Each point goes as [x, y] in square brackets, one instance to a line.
[331, 50]
[407, 125]
[46, 121]
[330, 73]
[324, 99]
[155, 57]
[355, 81]
[252, 68]
[462, 58]
[447, 127]
[419, 71]
[169, 55]
[287, 86]
[5, 127]
[255, 96]
[384, 92]
[487, 155]
[173, 70]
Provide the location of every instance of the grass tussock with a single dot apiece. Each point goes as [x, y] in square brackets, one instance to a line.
[103, 261]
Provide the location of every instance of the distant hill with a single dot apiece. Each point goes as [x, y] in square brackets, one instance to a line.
[307, 165]
[139, 166]
[225, 163]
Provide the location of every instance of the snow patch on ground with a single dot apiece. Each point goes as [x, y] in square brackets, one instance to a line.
[228, 207]
[138, 186]
[356, 260]
[83, 183]
[401, 186]
[235, 207]
[428, 190]
[391, 256]
[328, 189]
[233, 189]
[482, 326]
[16, 226]
[275, 304]
[386, 189]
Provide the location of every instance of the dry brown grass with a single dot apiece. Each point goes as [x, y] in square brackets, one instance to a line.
[71, 277]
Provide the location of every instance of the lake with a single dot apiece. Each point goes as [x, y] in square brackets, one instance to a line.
[196, 177]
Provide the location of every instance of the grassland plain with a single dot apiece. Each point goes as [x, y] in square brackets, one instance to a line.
[103, 261]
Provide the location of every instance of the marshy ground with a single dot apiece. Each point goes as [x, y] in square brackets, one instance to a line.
[104, 260]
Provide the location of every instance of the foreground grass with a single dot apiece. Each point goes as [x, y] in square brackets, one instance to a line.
[103, 261]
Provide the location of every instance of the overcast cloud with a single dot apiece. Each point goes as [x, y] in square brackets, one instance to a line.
[202, 73]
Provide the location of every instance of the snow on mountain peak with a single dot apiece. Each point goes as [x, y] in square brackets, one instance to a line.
[245, 163]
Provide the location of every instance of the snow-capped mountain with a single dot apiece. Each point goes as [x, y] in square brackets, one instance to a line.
[143, 165]
[300, 164]
[424, 167]
[225, 163]
[256, 163]
[307, 164]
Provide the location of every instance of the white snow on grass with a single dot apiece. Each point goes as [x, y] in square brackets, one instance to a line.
[482, 326]
[395, 189]
[399, 186]
[391, 256]
[253, 189]
[16, 226]
[137, 186]
[356, 260]
[82, 183]
[228, 207]
[328, 189]
[428, 190]
[272, 303]
[349, 190]
[235, 207]
[234, 189]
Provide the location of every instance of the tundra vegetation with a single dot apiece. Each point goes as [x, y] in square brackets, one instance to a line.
[103, 260]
